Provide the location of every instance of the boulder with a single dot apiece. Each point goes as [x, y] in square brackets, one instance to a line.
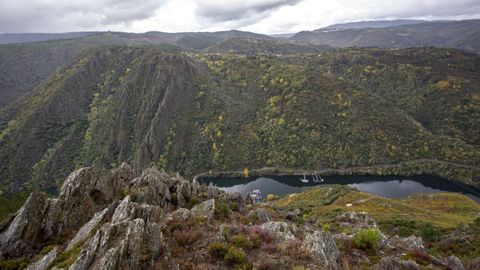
[180, 215]
[205, 209]
[396, 263]
[354, 220]
[406, 244]
[281, 230]
[452, 263]
[261, 214]
[322, 249]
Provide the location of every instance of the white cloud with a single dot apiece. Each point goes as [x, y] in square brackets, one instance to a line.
[264, 16]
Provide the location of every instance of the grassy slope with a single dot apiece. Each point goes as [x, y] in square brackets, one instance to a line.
[443, 210]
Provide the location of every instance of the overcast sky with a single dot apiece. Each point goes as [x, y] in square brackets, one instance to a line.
[262, 16]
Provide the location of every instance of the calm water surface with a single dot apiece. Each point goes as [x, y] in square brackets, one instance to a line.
[386, 186]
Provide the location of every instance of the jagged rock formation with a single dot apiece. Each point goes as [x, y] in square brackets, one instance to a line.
[116, 234]
[121, 219]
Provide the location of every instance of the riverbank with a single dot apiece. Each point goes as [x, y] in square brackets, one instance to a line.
[468, 175]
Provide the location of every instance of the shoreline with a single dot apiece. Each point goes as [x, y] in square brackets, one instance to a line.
[462, 174]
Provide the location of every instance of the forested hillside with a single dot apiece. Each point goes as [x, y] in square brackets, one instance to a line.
[24, 66]
[195, 112]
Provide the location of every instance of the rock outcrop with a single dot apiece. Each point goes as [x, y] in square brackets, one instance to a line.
[114, 219]
[282, 230]
[44, 262]
[323, 250]
[24, 231]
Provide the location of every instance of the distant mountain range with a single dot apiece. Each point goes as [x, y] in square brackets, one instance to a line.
[371, 24]
[399, 34]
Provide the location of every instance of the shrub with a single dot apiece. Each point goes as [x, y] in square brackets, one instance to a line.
[235, 256]
[241, 241]
[367, 239]
[271, 197]
[191, 202]
[14, 264]
[186, 238]
[66, 258]
[217, 249]
[222, 210]
[326, 227]
[234, 206]
[429, 233]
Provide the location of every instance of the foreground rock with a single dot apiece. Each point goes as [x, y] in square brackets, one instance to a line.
[129, 221]
[323, 250]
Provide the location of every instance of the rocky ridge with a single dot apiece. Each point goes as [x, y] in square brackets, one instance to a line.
[122, 219]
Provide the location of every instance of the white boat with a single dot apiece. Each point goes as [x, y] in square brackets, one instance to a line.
[317, 178]
[304, 179]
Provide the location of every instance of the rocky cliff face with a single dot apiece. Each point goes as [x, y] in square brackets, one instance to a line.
[121, 219]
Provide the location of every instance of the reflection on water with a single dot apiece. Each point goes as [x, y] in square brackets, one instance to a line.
[386, 186]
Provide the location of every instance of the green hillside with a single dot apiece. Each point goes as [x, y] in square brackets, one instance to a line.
[255, 46]
[24, 66]
[195, 112]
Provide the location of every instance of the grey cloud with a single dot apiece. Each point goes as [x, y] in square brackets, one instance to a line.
[217, 11]
[59, 15]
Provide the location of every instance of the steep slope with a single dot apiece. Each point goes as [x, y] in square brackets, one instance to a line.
[24, 66]
[56, 121]
[193, 112]
[439, 88]
[456, 34]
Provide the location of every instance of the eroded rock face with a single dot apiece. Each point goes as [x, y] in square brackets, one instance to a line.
[44, 262]
[85, 192]
[322, 248]
[25, 230]
[130, 244]
[152, 187]
[86, 229]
